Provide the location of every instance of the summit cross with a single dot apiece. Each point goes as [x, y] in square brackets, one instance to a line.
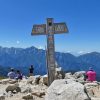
[49, 29]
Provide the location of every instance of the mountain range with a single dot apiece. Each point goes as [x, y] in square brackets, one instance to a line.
[22, 58]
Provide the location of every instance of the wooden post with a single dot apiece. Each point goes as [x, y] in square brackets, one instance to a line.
[51, 50]
[49, 29]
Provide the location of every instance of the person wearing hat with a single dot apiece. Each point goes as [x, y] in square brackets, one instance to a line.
[11, 74]
[91, 75]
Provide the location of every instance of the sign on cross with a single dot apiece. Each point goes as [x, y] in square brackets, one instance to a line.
[49, 29]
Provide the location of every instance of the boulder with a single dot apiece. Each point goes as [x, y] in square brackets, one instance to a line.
[13, 81]
[69, 76]
[9, 94]
[38, 91]
[58, 75]
[26, 89]
[66, 90]
[93, 90]
[2, 97]
[58, 69]
[91, 84]
[28, 97]
[79, 74]
[5, 81]
[37, 79]
[0, 82]
[30, 79]
[44, 80]
[95, 98]
[13, 87]
[34, 79]
[38, 94]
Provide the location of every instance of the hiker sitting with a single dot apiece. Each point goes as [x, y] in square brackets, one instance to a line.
[91, 75]
[19, 75]
[11, 74]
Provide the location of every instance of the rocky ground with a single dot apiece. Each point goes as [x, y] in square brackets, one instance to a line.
[33, 88]
[72, 87]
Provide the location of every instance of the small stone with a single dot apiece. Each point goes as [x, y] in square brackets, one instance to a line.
[28, 97]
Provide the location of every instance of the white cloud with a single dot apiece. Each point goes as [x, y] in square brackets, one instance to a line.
[17, 42]
[40, 47]
[81, 52]
[69, 51]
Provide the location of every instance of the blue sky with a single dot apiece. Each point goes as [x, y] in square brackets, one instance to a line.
[82, 17]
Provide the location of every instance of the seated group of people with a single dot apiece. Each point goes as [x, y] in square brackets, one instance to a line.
[18, 74]
[13, 75]
[89, 76]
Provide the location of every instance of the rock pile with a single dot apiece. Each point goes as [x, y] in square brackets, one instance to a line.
[26, 89]
[72, 87]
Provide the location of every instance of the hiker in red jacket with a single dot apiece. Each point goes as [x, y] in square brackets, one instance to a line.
[91, 75]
